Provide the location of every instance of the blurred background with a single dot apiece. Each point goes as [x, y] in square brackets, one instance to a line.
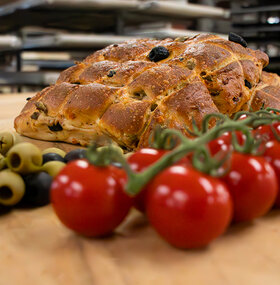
[40, 38]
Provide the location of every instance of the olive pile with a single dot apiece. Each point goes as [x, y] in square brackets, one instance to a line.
[26, 172]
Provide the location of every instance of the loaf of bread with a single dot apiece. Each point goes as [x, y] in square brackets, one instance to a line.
[124, 90]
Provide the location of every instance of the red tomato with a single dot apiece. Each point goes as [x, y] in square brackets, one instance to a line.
[89, 199]
[139, 161]
[253, 185]
[265, 132]
[272, 155]
[188, 208]
[224, 142]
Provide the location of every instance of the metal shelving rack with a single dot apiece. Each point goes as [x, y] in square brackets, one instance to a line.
[83, 26]
[258, 22]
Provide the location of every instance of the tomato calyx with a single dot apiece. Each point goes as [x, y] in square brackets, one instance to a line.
[102, 156]
[247, 144]
[186, 145]
[161, 140]
[202, 159]
[213, 165]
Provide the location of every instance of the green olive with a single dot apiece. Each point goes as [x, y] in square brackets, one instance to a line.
[53, 167]
[12, 188]
[24, 158]
[7, 140]
[117, 148]
[2, 162]
[54, 150]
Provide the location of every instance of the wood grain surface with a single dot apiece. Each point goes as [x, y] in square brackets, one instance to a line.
[36, 249]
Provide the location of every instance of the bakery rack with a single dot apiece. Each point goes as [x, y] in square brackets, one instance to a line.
[78, 27]
[259, 22]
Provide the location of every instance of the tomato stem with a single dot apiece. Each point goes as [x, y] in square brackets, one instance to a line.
[137, 181]
[202, 160]
[160, 140]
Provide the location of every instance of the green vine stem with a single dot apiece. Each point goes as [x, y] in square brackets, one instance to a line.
[160, 140]
[201, 158]
[139, 180]
[104, 156]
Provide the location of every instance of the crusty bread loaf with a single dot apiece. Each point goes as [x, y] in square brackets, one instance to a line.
[124, 90]
[266, 93]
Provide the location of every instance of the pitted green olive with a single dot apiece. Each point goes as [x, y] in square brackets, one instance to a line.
[12, 188]
[53, 167]
[2, 162]
[24, 158]
[54, 150]
[7, 140]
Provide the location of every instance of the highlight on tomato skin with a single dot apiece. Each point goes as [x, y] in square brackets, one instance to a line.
[224, 142]
[253, 185]
[188, 208]
[90, 200]
[139, 161]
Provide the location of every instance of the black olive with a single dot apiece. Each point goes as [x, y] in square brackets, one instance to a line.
[37, 191]
[4, 209]
[111, 73]
[248, 84]
[28, 98]
[153, 106]
[215, 93]
[75, 154]
[158, 53]
[56, 127]
[237, 39]
[51, 156]
[139, 95]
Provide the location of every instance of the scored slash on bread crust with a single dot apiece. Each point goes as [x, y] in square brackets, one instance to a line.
[119, 92]
[267, 93]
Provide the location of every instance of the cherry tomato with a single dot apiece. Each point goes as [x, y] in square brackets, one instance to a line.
[89, 199]
[139, 161]
[253, 185]
[272, 155]
[188, 208]
[265, 132]
[224, 142]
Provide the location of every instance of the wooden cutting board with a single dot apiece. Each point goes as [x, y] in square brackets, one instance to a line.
[36, 249]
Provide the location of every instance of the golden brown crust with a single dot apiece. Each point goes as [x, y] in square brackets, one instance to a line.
[125, 122]
[118, 91]
[266, 93]
[129, 50]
